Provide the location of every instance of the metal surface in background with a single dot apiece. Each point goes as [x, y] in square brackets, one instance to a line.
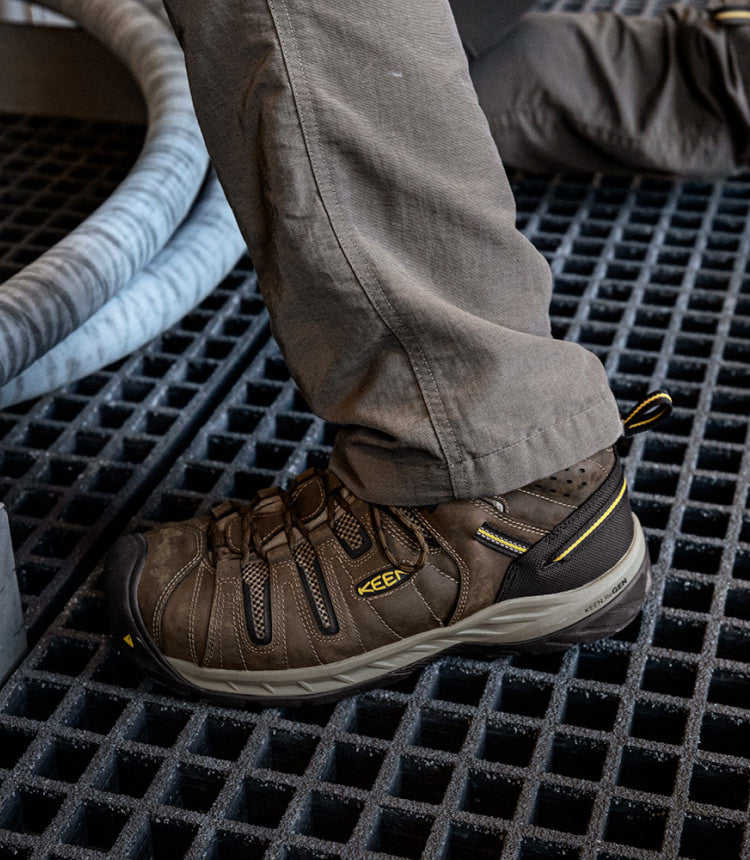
[636, 747]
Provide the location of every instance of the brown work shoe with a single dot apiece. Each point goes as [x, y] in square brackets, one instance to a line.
[311, 593]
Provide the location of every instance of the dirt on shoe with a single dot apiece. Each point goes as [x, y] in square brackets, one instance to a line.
[311, 593]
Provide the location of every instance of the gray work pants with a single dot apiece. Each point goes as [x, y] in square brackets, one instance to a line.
[365, 178]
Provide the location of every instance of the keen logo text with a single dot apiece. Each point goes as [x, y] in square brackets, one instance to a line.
[383, 581]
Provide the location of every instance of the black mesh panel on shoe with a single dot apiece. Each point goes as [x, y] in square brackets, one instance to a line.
[315, 587]
[256, 590]
[351, 535]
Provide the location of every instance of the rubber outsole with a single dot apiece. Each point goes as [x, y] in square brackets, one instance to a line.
[125, 563]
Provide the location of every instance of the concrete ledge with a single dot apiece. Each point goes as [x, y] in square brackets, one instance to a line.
[62, 71]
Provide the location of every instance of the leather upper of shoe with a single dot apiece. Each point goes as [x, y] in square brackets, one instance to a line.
[314, 574]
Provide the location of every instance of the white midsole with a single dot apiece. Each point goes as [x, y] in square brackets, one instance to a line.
[516, 621]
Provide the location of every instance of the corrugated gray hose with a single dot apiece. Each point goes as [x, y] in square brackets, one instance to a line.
[52, 297]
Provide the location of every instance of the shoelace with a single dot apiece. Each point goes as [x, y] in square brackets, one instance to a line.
[333, 490]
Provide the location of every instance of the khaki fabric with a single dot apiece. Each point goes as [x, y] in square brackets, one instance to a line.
[363, 173]
[602, 92]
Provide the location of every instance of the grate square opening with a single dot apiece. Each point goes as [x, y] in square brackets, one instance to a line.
[82, 511]
[243, 419]
[134, 451]
[312, 714]
[291, 427]
[712, 490]
[695, 557]
[576, 757]
[178, 396]
[519, 695]
[715, 459]
[375, 718]
[246, 484]
[193, 788]
[89, 386]
[62, 472]
[14, 464]
[34, 577]
[725, 734]
[272, 456]
[440, 731]
[36, 503]
[65, 760]
[199, 479]
[690, 594]
[57, 543]
[237, 846]
[95, 712]
[287, 752]
[223, 449]
[36, 700]
[657, 450]
[734, 643]
[128, 773]
[29, 810]
[704, 522]
[88, 616]
[720, 785]
[13, 744]
[112, 417]
[457, 685]
[420, 779]
[157, 725]
[655, 481]
[648, 770]
[669, 676]
[164, 840]
[652, 514]
[602, 663]
[156, 423]
[331, 818]
[67, 656]
[173, 507]
[638, 824]
[707, 838]
[135, 390]
[221, 738]
[658, 722]
[354, 765]
[679, 634]
[738, 603]
[730, 688]
[467, 843]
[590, 709]
[13, 852]
[508, 743]
[41, 436]
[558, 808]
[400, 833]
[492, 794]
[538, 849]
[110, 479]
[721, 429]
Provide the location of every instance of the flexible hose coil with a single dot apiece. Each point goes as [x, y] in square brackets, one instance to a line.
[197, 257]
[55, 294]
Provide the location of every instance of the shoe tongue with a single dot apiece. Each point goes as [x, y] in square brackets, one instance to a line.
[309, 499]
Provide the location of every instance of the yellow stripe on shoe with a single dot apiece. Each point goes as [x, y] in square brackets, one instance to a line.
[589, 531]
[732, 16]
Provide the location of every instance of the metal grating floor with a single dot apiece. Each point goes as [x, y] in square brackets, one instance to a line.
[635, 747]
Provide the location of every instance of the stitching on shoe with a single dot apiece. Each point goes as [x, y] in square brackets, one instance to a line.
[422, 598]
[170, 587]
[546, 499]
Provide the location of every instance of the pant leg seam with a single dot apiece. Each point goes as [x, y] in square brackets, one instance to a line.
[435, 399]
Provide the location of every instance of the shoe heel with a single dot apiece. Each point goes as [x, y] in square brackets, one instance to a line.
[603, 623]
